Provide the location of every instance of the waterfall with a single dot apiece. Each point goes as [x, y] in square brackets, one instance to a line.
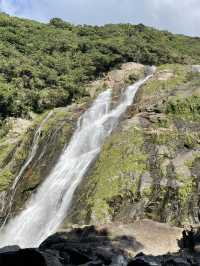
[46, 209]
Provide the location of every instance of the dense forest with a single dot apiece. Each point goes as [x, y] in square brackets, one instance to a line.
[43, 66]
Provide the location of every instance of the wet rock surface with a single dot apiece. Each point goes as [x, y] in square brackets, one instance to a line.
[87, 246]
[149, 167]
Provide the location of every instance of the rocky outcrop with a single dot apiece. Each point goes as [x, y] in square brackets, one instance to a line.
[31, 154]
[117, 79]
[149, 167]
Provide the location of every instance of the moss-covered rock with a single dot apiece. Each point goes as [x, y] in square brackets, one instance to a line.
[116, 175]
[146, 168]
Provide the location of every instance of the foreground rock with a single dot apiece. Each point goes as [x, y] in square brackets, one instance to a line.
[89, 246]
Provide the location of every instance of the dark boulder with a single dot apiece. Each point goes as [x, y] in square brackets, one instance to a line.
[190, 239]
[90, 247]
[165, 260]
[143, 260]
[51, 241]
[27, 257]
[85, 246]
[9, 249]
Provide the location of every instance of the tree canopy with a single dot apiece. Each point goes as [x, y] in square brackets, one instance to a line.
[43, 66]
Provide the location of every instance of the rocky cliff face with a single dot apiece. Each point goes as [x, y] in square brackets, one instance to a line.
[148, 168]
[27, 156]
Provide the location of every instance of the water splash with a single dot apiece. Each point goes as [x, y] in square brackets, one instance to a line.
[47, 209]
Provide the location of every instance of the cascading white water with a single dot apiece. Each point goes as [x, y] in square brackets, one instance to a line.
[47, 209]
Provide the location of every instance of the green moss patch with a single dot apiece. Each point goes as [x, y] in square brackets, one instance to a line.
[116, 174]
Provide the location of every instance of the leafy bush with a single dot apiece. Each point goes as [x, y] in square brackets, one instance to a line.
[185, 107]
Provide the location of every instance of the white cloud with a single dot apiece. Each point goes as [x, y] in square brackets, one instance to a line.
[7, 6]
[181, 16]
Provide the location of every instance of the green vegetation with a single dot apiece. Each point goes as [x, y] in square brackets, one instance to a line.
[188, 108]
[43, 66]
[115, 178]
[162, 86]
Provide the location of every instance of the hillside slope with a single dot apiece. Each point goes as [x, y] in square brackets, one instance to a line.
[43, 66]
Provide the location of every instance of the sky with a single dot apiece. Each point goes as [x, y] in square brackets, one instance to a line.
[178, 16]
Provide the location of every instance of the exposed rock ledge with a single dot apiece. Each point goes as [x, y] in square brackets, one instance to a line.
[144, 236]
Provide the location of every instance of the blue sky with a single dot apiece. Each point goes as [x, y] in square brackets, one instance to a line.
[179, 16]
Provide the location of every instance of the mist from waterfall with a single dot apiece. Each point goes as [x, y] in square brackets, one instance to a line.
[48, 207]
